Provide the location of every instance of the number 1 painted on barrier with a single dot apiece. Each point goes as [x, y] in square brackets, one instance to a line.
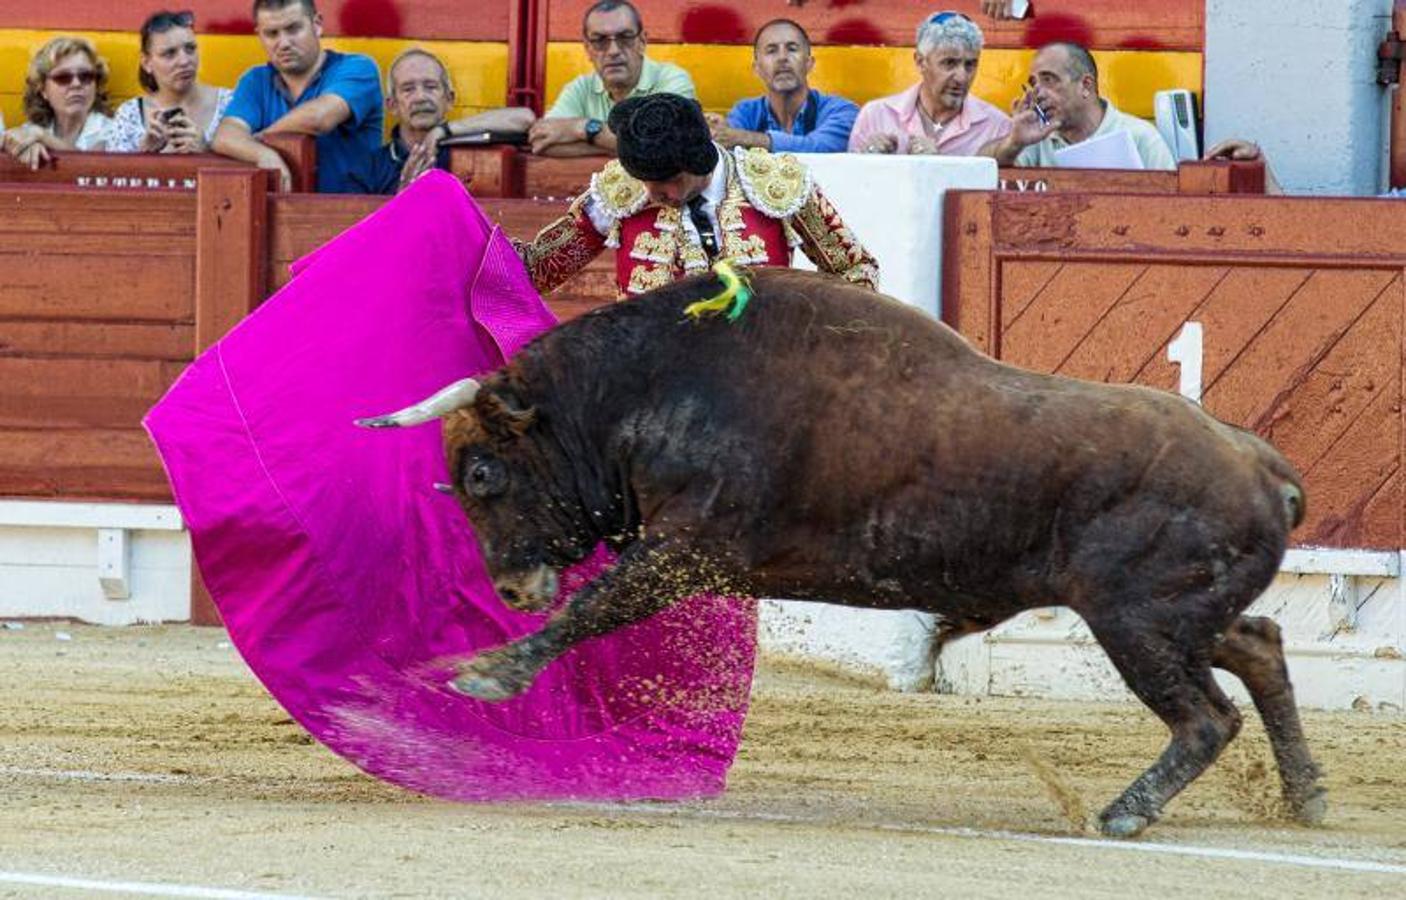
[1185, 352]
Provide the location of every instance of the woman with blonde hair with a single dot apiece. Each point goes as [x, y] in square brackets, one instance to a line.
[65, 102]
[177, 114]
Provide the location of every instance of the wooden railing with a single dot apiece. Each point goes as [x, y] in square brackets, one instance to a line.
[1299, 306]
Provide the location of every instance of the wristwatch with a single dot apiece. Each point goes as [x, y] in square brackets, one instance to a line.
[593, 129]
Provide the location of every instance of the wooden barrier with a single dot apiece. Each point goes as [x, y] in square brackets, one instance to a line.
[96, 320]
[158, 171]
[117, 171]
[1300, 303]
[300, 223]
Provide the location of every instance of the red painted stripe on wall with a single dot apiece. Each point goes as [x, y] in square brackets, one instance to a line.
[467, 20]
[1101, 24]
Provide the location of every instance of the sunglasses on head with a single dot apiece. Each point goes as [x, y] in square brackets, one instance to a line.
[164, 21]
[941, 17]
[64, 79]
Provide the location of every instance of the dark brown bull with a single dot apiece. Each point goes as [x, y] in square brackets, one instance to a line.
[835, 445]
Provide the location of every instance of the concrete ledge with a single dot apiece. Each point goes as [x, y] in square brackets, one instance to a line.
[1328, 561]
[61, 514]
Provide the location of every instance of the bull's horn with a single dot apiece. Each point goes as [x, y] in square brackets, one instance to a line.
[457, 395]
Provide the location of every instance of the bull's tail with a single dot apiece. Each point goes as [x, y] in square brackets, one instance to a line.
[1285, 478]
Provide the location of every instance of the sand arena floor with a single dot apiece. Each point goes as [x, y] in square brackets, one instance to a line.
[152, 755]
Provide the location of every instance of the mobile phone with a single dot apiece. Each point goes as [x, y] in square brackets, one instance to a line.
[169, 114]
[1035, 105]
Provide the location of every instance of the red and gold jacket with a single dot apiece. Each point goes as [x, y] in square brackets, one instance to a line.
[770, 206]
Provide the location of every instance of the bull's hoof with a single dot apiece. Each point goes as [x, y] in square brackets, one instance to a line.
[1311, 810]
[496, 675]
[484, 687]
[1124, 826]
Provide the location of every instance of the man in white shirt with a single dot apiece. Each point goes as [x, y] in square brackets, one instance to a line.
[1064, 108]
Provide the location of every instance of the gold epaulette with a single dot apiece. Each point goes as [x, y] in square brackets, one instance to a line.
[617, 193]
[776, 184]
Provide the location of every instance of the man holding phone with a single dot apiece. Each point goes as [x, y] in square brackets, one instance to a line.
[1062, 107]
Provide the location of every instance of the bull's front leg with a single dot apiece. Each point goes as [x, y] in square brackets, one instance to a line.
[648, 577]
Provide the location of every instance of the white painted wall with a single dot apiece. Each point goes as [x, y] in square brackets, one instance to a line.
[894, 205]
[1299, 78]
[1051, 653]
[52, 563]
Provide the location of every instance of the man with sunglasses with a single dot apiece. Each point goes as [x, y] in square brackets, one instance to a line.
[576, 125]
[937, 115]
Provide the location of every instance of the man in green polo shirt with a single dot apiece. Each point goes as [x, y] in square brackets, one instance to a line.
[615, 42]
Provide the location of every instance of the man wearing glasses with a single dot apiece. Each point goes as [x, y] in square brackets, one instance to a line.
[937, 115]
[615, 42]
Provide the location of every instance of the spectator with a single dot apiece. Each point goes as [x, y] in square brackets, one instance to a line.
[1065, 81]
[1241, 150]
[790, 116]
[304, 89]
[419, 96]
[65, 102]
[615, 42]
[938, 114]
[177, 114]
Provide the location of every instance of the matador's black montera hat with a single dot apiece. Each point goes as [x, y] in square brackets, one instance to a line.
[662, 135]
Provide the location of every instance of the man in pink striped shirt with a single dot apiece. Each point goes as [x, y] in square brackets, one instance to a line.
[937, 115]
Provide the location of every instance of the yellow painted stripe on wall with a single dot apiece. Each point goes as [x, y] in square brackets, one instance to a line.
[723, 74]
[479, 69]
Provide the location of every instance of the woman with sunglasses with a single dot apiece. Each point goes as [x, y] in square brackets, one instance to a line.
[65, 102]
[177, 114]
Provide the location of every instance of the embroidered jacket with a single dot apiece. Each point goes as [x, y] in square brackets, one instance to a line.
[770, 206]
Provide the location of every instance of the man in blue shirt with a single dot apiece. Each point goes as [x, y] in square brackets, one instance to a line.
[306, 90]
[790, 116]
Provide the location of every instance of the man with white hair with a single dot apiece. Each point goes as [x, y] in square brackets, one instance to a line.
[938, 114]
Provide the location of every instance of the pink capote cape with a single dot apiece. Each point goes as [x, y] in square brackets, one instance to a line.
[345, 578]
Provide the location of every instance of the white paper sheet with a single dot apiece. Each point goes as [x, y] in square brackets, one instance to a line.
[1108, 151]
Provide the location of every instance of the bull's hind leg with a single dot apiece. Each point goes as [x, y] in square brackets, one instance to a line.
[1170, 671]
[1252, 651]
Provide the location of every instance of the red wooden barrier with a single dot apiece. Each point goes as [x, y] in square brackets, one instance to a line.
[1102, 24]
[1301, 301]
[425, 19]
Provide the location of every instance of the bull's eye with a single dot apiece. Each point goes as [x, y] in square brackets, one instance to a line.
[485, 478]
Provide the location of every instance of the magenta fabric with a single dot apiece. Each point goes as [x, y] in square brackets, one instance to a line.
[345, 579]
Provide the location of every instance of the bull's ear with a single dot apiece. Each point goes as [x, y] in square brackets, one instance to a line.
[503, 417]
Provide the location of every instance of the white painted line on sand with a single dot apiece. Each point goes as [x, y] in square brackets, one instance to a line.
[85, 775]
[151, 889]
[1264, 856]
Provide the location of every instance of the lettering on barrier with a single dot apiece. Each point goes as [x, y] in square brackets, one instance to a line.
[1020, 185]
[148, 183]
[1185, 352]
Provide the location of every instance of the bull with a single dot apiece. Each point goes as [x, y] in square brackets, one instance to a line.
[835, 445]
